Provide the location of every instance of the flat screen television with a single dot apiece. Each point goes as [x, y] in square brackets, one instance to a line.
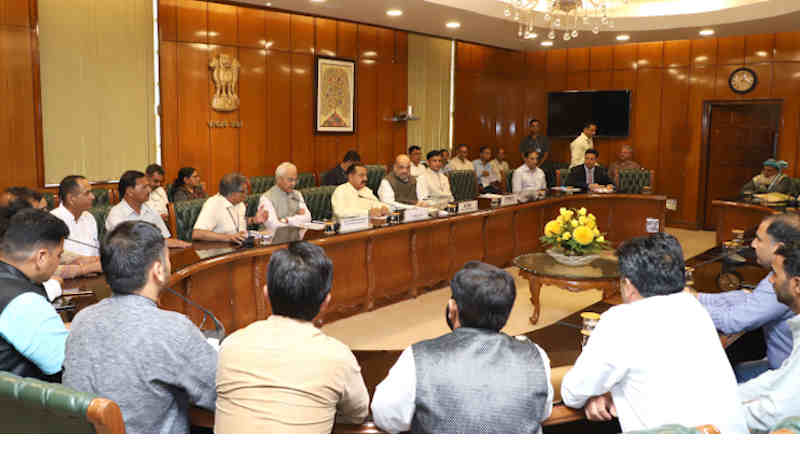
[568, 111]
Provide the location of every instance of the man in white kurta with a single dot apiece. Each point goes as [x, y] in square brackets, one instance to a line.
[417, 167]
[578, 147]
[158, 196]
[529, 178]
[433, 184]
[461, 161]
[354, 198]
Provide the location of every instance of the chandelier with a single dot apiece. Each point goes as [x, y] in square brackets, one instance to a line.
[559, 15]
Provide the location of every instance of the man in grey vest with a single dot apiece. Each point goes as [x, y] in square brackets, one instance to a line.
[399, 188]
[284, 205]
[475, 379]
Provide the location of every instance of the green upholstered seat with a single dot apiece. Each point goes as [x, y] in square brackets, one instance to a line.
[101, 197]
[563, 173]
[318, 200]
[168, 188]
[252, 207]
[186, 214]
[306, 180]
[28, 405]
[463, 184]
[509, 181]
[261, 184]
[51, 200]
[795, 183]
[375, 174]
[669, 429]
[100, 213]
[789, 425]
[631, 181]
[322, 177]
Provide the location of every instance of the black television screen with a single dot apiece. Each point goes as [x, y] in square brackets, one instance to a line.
[568, 111]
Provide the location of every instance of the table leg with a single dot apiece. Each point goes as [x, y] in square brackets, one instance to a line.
[535, 288]
[611, 294]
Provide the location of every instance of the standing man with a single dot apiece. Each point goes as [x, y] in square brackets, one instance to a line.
[539, 143]
[624, 162]
[222, 218]
[338, 175]
[399, 188]
[152, 362]
[158, 196]
[461, 161]
[284, 205]
[588, 175]
[415, 154]
[528, 178]
[134, 191]
[578, 147]
[434, 184]
[488, 177]
[354, 198]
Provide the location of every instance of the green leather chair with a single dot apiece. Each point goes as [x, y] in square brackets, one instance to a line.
[795, 187]
[509, 181]
[168, 188]
[631, 181]
[261, 184]
[463, 184]
[561, 176]
[306, 180]
[51, 200]
[101, 196]
[318, 200]
[252, 207]
[375, 173]
[28, 405]
[100, 213]
[322, 177]
[184, 217]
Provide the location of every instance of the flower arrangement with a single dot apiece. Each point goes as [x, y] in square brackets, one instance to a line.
[574, 232]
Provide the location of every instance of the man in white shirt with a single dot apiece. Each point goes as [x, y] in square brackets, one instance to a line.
[158, 196]
[461, 161]
[75, 195]
[284, 205]
[475, 379]
[488, 177]
[578, 147]
[656, 359]
[417, 167]
[500, 163]
[433, 184]
[134, 191]
[529, 180]
[222, 218]
[354, 198]
[398, 188]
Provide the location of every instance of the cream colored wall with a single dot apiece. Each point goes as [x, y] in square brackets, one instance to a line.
[429, 91]
[97, 87]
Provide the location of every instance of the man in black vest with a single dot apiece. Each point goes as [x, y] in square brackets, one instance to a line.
[32, 335]
[399, 188]
[475, 379]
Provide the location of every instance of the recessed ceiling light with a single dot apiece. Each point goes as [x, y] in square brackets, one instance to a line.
[623, 37]
[394, 12]
[453, 25]
[547, 43]
[707, 32]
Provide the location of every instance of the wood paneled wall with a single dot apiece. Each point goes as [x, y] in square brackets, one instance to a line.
[276, 51]
[498, 91]
[20, 106]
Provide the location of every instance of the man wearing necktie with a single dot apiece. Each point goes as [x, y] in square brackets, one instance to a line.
[589, 176]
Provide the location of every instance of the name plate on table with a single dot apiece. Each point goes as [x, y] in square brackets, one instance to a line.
[467, 206]
[415, 214]
[508, 200]
[351, 224]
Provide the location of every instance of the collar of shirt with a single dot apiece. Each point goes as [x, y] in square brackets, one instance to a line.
[289, 322]
[133, 300]
[128, 209]
[62, 212]
[794, 325]
[225, 202]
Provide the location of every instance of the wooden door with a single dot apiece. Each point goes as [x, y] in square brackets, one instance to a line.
[741, 137]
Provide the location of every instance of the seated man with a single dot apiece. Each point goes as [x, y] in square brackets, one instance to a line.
[282, 374]
[737, 311]
[75, 195]
[775, 394]
[656, 359]
[500, 163]
[445, 156]
[158, 196]
[488, 177]
[354, 198]
[461, 161]
[434, 184]
[222, 218]
[417, 166]
[589, 176]
[134, 191]
[398, 188]
[32, 335]
[152, 362]
[771, 179]
[283, 204]
[475, 379]
[338, 175]
[624, 162]
[529, 180]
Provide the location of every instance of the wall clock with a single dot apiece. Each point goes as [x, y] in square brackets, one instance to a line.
[742, 80]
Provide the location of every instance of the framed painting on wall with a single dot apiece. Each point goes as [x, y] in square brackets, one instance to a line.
[335, 89]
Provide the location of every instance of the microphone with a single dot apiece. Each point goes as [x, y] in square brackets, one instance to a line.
[219, 330]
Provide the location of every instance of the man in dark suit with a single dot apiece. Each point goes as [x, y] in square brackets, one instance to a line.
[589, 176]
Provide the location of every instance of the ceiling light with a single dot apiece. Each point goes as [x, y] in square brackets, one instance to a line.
[453, 25]
[623, 37]
[707, 32]
[317, 1]
[394, 12]
[547, 43]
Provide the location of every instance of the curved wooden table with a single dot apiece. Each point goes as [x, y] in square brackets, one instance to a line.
[731, 215]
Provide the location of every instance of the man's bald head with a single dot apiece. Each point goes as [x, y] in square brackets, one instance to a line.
[402, 167]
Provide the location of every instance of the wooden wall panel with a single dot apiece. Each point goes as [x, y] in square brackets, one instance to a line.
[578, 81]
[367, 42]
[278, 30]
[253, 113]
[326, 36]
[759, 48]
[400, 47]
[677, 53]
[577, 60]
[601, 80]
[193, 109]
[222, 24]
[302, 117]
[168, 67]
[16, 12]
[367, 107]
[701, 87]
[647, 112]
[168, 20]
[650, 54]
[704, 51]
[385, 45]
[252, 27]
[384, 111]
[731, 50]
[400, 102]
[787, 46]
[279, 108]
[601, 58]
[192, 21]
[673, 139]
[346, 40]
[625, 57]
[222, 140]
[302, 33]
[557, 61]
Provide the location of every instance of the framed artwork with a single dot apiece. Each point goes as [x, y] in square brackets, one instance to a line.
[335, 99]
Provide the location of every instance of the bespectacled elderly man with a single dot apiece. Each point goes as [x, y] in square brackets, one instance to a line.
[283, 203]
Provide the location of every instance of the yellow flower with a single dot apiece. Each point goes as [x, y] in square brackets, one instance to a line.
[601, 239]
[562, 211]
[596, 232]
[574, 223]
[566, 236]
[591, 216]
[568, 214]
[591, 223]
[582, 220]
[553, 228]
[583, 235]
[582, 212]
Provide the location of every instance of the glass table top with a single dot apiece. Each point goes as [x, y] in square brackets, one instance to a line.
[604, 267]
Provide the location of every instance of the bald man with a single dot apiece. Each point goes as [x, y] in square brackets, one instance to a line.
[399, 187]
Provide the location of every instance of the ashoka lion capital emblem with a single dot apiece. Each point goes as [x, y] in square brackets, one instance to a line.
[226, 82]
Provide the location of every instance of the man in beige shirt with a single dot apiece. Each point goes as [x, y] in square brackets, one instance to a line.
[578, 147]
[624, 162]
[461, 161]
[354, 198]
[433, 184]
[284, 375]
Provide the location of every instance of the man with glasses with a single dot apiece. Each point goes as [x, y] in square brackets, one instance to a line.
[283, 204]
[222, 218]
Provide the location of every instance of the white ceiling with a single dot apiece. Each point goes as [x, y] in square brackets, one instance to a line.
[482, 21]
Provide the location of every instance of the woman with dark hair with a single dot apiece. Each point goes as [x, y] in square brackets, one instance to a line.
[187, 186]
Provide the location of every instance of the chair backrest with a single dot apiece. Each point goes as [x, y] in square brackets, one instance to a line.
[561, 176]
[631, 181]
[182, 216]
[306, 180]
[509, 182]
[252, 206]
[28, 405]
[100, 213]
[52, 200]
[463, 184]
[168, 188]
[318, 200]
[261, 184]
[102, 196]
[375, 173]
[794, 182]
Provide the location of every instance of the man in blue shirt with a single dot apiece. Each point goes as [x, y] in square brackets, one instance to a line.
[488, 177]
[32, 335]
[742, 310]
